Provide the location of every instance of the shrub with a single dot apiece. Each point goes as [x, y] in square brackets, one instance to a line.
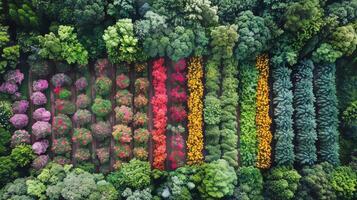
[41, 114]
[177, 113]
[4, 140]
[7, 170]
[40, 147]
[64, 94]
[81, 84]
[101, 107]
[344, 182]
[62, 124]
[19, 120]
[40, 85]
[82, 136]
[123, 97]
[327, 113]
[122, 81]
[5, 113]
[14, 76]
[103, 155]
[41, 129]
[40, 162]
[305, 123]
[63, 46]
[122, 133]
[38, 98]
[16, 189]
[60, 80]
[282, 183]
[19, 137]
[82, 154]
[103, 85]
[250, 183]
[140, 153]
[78, 185]
[20, 107]
[140, 119]
[83, 101]
[141, 136]
[141, 85]
[140, 101]
[216, 179]
[9, 88]
[65, 107]
[101, 130]
[22, 155]
[36, 188]
[122, 151]
[61, 146]
[123, 114]
[315, 183]
[135, 175]
[82, 117]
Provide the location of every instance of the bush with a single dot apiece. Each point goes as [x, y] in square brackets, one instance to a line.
[65, 107]
[41, 114]
[40, 147]
[122, 151]
[60, 80]
[40, 162]
[135, 175]
[83, 101]
[7, 170]
[122, 81]
[38, 98]
[282, 183]
[82, 155]
[22, 155]
[82, 117]
[61, 146]
[82, 136]
[250, 183]
[4, 140]
[19, 120]
[315, 183]
[103, 85]
[123, 114]
[62, 124]
[103, 155]
[141, 85]
[19, 137]
[101, 107]
[20, 107]
[216, 179]
[141, 136]
[140, 119]
[40, 85]
[140, 101]
[101, 130]
[344, 182]
[122, 134]
[123, 97]
[64, 94]
[5, 113]
[41, 129]
[81, 84]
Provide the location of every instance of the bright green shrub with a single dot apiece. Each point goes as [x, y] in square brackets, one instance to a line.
[223, 41]
[217, 180]
[344, 182]
[135, 175]
[36, 189]
[282, 183]
[9, 53]
[250, 183]
[101, 107]
[22, 155]
[304, 118]
[65, 94]
[315, 183]
[121, 43]
[327, 113]
[63, 46]
[283, 113]
[248, 134]
[254, 35]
